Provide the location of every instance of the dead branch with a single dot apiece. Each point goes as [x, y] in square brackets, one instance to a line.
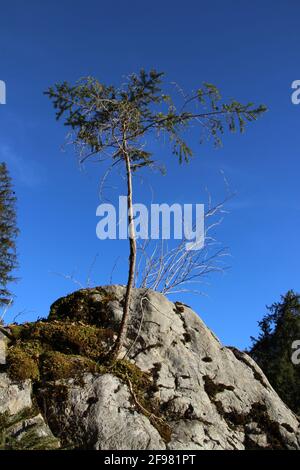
[174, 270]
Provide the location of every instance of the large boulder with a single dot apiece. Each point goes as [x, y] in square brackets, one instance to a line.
[177, 387]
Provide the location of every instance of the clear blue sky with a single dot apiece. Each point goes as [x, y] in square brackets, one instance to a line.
[250, 50]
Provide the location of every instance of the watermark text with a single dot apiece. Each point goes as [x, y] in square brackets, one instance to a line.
[295, 97]
[154, 224]
[2, 92]
[296, 354]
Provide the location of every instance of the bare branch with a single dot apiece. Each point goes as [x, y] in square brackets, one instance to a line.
[69, 277]
[178, 269]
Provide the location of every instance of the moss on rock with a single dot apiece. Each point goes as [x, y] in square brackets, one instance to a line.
[55, 365]
[64, 336]
[35, 343]
[86, 305]
[21, 365]
[72, 340]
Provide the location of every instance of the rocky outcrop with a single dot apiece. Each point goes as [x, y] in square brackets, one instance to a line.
[177, 387]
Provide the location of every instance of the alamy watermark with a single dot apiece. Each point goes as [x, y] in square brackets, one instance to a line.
[2, 92]
[295, 97]
[296, 354]
[154, 224]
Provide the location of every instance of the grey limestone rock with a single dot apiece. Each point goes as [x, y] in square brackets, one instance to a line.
[212, 397]
[209, 396]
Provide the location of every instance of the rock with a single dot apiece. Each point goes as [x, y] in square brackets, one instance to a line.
[202, 395]
[98, 306]
[3, 341]
[21, 425]
[101, 411]
[29, 434]
[14, 397]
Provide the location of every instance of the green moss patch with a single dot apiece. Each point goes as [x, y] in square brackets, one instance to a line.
[86, 305]
[38, 345]
[55, 365]
[64, 336]
[21, 365]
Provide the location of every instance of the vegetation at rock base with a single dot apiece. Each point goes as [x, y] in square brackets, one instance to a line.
[272, 350]
[21, 432]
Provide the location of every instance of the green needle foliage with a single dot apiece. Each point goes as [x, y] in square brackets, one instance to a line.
[99, 114]
[8, 234]
[272, 350]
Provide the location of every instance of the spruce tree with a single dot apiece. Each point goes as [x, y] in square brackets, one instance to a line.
[272, 350]
[116, 123]
[8, 234]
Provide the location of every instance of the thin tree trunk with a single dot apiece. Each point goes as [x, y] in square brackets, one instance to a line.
[113, 354]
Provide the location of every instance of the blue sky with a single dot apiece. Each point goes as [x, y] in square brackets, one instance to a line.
[249, 50]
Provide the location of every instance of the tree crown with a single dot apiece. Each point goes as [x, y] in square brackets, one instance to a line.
[102, 117]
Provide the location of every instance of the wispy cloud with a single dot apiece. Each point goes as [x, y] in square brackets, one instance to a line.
[28, 172]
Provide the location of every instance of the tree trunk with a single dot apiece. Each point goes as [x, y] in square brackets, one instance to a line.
[113, 354]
